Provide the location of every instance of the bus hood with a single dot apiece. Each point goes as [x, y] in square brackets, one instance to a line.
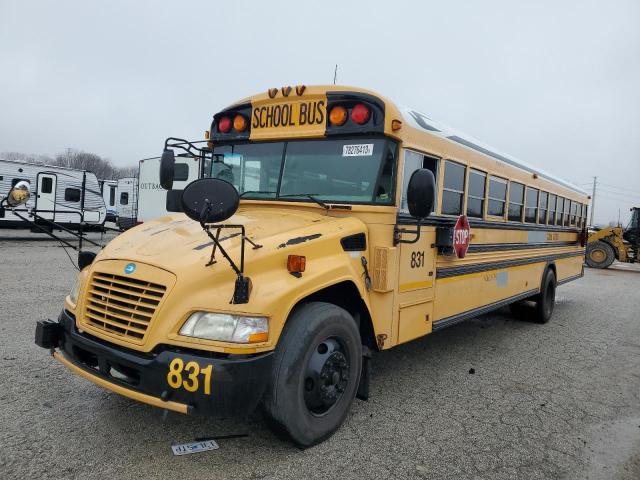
[177, 243]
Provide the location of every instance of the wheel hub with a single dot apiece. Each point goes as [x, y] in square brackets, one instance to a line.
[326, 376]
[598, 255]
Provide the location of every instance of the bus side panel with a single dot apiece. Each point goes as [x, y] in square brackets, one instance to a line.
[462, 293]
[569, 268]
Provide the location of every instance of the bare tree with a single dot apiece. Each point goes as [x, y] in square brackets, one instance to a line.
[78, 159]
[27, 158]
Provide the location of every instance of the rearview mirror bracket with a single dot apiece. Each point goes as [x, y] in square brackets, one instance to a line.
[397, 234]
[243, 284]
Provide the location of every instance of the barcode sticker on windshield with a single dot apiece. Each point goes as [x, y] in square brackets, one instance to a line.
[361, 150]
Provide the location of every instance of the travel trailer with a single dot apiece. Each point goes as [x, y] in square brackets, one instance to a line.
[66, 196]
[127, 208]
[153, 200]
[109, 189]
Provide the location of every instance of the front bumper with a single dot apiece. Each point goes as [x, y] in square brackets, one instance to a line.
[237, 382]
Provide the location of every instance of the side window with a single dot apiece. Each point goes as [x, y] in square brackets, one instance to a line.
[72, 194]
[112, 196]
[47, 185]
[475, 196]
[565, 216]
[453, 189]
[516, 197]
[542, 213]
[497, 196]
[124, 198]
[574, 212]
[531, 206]
[552, 209]
[412, 162]
[559, 209]
[181, 172]
[579, 216]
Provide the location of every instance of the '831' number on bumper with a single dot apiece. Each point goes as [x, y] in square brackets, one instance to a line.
[187, 376]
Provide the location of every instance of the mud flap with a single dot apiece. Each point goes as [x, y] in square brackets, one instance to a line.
[365, 375]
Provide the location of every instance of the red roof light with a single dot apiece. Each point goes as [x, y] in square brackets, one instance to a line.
[360, 114]
[224, 125]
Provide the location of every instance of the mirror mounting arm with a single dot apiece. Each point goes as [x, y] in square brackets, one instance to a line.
[243, 284]
[397, 234]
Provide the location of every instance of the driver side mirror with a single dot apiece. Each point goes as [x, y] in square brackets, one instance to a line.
[421, 193]
[19, 194]
[167, 169]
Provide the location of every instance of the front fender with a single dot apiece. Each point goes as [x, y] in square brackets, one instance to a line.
[281, 292]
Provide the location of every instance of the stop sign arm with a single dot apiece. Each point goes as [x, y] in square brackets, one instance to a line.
[444, 240]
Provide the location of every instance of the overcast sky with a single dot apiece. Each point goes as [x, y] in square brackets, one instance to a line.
[555, 83]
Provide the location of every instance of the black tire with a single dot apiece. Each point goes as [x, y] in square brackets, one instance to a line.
[546, 299]
[316, 373]
[599, 254]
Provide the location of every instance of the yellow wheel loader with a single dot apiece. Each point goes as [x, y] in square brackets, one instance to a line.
[614, 243]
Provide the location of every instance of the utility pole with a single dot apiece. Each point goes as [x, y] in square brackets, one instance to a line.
[335, 74]
[593, 200]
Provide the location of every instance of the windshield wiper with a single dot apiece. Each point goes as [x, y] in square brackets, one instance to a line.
[254, 191]
[308, 195]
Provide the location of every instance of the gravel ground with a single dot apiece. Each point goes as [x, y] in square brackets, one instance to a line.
[560, 400]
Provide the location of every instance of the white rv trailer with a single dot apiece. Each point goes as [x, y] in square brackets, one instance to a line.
[109, 189]
[66, 196]
[153, 200]
[127, 201]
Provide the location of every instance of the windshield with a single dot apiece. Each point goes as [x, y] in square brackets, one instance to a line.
[358, 170]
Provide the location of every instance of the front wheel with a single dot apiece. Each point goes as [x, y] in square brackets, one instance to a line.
[316, 373]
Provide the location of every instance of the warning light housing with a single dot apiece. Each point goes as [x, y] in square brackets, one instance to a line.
[231, 124]
[354, 113]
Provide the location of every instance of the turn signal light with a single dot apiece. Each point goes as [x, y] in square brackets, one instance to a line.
[360, 114]
[258, 337]
[296, 263]
[338, 115]
[224, 125]
[239, 123]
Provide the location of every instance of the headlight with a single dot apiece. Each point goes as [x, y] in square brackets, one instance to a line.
[226, 328]
[75, 290]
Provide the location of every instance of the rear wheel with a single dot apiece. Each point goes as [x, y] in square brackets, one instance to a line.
[546, 299]
[316, 373]
[600, 254]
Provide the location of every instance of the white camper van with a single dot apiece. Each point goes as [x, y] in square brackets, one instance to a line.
[109, 190]
[66, 196]
[153, 200]
[127, 200]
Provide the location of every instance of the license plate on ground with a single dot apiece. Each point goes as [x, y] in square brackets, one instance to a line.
[194, 447]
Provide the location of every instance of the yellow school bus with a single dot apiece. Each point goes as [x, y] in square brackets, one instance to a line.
[328, 223]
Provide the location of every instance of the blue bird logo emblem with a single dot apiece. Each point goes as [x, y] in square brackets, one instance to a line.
[130, 268]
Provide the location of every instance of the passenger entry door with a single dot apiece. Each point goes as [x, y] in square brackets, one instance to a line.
[46, 195]
[416, 268]
[416, 277]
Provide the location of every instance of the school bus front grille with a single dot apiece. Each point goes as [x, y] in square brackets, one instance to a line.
[121, 305]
